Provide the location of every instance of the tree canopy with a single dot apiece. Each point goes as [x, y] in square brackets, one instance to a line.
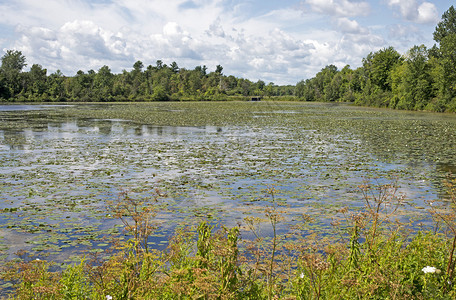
[447, 26]
[158, 82]
[421, 79]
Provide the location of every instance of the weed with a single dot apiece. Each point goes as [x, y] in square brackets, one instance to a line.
[375, 257]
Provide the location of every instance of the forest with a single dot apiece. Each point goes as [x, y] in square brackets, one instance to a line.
[154, 83]
[421, 79]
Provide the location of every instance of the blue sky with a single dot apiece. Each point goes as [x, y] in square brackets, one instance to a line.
[275, 41]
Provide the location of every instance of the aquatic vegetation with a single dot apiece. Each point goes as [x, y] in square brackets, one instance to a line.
[62, 166]
[212, 262]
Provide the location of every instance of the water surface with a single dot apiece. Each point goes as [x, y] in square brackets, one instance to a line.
[61, 165]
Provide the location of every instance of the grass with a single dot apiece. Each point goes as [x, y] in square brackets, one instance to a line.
[374, 257]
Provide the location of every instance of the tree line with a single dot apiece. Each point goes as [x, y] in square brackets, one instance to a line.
[421, 79]
[159, 82]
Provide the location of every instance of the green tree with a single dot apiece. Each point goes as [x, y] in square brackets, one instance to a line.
[202, 70]
[103, 84]
[174, 67]
[159, 64]
[195, 81]
[320, 84]
[259, 85]
[349, 84]
[447, 26]
[377, 80]
[160, 94]
[56, 89]
[37, 80]
[174, 83]
[340, 88]
[332, 90]
[307, 90]
[218, 69]
[448, 62]
[4, 90]
[138, 66]
[80, 87]
[139, 86]
[12, 64]
[379, 65]
[269, 90]
[121, 86]
[300, 89]
[244, 86]
[13, 60]
[412, 80]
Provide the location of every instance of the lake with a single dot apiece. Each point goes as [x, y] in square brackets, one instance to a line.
[62, 165]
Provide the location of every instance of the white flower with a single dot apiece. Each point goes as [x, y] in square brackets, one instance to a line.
[108, 297]
[302, 275]
[429, 269]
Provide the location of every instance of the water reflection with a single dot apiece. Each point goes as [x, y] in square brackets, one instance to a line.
[13, 139]
[15, 107]
[446, 168]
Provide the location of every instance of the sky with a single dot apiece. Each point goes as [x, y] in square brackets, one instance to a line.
[275, 41]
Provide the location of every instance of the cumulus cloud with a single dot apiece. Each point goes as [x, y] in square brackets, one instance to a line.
[427, 13]
[77, 44]
[271, 55]
[404, 35]
[173, 43]
[346, 25]
[216, 29]
[344, 8]
[87, 39]
[248, 38]
[411, 10]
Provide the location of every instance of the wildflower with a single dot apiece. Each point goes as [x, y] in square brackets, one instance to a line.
[429, 269]
[108, 297]
[302, 275]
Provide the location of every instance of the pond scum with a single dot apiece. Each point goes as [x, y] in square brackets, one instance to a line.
[374, 257]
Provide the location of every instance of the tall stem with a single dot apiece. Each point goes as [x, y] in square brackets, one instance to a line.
[450, 267]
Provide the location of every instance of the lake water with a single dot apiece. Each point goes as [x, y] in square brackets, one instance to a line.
[60, 166]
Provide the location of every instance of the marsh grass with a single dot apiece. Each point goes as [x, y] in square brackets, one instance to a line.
[374, 256]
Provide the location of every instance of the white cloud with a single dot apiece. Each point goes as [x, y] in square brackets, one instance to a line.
[427, 13]
[216, 29]
[346, 25]
[282, 45]
[404, 35]
[274, 56]
[76, 45]
[173, 43]
[344, 8]
[411, 10]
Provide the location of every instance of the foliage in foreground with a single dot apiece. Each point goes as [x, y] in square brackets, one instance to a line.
[376, 257]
